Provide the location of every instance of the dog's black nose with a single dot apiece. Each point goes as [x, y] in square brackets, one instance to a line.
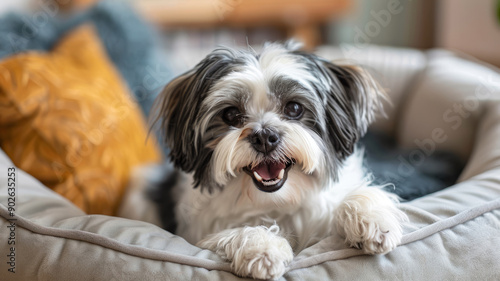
[265, 141]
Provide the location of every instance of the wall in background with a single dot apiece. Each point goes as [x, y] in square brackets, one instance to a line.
[13, 5]
[463, 25]
[403, 23]
[467, 26]
[470, 27]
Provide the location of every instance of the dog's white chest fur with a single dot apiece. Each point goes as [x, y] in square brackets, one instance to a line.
[303, 209]
[241, 221]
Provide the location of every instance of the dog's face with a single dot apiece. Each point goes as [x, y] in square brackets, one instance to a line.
[265, 119]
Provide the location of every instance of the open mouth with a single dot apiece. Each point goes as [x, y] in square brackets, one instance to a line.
[269, 176]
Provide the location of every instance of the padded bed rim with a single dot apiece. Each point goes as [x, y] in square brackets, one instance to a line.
[158, 255]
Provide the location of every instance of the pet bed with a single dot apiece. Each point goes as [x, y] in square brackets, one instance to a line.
[441, 101]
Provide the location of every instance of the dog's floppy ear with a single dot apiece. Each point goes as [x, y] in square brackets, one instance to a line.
[353, 100]
[177, 111]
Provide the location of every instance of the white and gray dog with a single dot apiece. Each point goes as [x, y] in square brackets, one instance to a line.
[266, 144]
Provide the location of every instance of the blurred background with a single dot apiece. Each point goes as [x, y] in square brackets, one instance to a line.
[190, 28]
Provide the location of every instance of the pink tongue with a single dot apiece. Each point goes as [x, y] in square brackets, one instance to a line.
[269, 171]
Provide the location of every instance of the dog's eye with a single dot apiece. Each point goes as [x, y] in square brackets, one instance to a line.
[232, 116]
[293, 110]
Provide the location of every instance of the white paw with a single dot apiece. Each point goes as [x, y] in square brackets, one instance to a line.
[268, 262]
[257, 252]
[375, 240]
[371, 222]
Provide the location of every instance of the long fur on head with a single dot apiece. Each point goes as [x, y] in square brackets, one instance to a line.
[339, 103]
[177, 110]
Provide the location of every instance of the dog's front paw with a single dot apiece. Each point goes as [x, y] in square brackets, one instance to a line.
[263, 260]
[371, 222]
[257, 252]
[375, 240]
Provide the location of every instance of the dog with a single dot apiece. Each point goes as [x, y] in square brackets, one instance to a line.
[265, 143]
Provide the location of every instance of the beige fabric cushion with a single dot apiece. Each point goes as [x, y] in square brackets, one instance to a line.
[446, 105]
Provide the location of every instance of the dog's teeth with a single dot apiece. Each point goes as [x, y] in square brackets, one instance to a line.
[282, 173]
[257, 176]
[271, 182]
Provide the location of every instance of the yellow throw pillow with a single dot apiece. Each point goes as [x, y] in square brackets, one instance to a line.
[67, 118]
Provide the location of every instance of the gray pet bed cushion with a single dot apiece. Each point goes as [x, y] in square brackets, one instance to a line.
[454, 234]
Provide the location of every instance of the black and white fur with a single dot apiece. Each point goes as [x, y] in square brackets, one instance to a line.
[288, 109]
